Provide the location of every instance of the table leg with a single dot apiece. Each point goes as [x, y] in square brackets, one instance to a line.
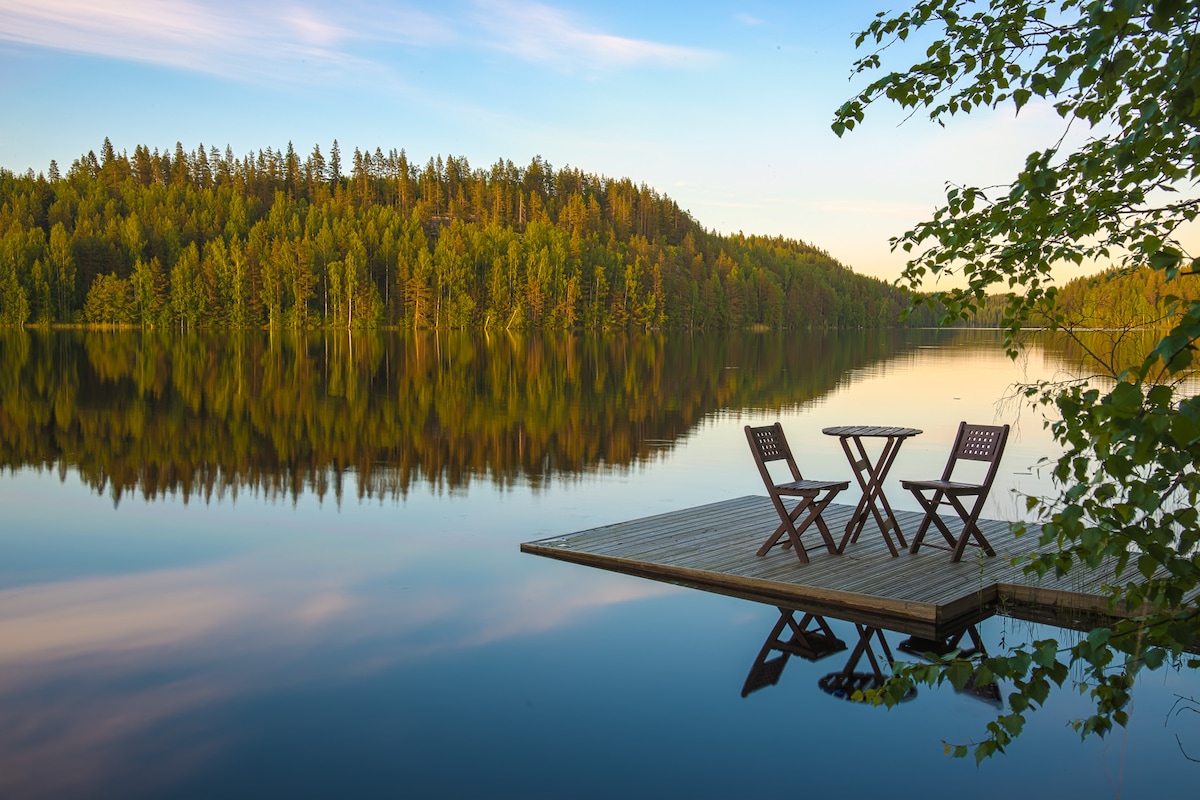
[859, 466]
[870, 479]
[891, 449]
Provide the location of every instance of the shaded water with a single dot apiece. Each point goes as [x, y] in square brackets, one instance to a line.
[274, 565]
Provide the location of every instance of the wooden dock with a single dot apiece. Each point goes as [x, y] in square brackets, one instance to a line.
[712, 547]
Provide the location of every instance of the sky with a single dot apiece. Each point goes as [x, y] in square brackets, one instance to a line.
[723, 106]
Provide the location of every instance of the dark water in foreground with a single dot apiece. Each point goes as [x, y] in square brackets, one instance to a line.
[278, 567]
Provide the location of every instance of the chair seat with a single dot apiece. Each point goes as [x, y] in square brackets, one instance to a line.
[945, 486]
[806, 486]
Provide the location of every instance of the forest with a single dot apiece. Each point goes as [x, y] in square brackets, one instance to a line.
[206, 240]
[1114, 299]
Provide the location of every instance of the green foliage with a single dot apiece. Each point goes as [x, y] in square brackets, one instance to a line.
[210, 241]
[1129, 475]
[110, 301]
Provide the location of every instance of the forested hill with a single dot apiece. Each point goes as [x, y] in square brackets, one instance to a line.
[204, 239]
[1113, 299]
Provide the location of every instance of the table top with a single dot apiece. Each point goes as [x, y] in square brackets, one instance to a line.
[870, 430]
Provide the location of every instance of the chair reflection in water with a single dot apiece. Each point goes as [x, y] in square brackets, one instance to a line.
[812, 639]
[939, 649]
[850, 679]
[768, 444]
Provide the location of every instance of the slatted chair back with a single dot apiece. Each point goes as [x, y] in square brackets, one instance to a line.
[978, 443]
[768, 445]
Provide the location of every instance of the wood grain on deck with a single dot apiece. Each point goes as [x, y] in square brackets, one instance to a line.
[712, 547]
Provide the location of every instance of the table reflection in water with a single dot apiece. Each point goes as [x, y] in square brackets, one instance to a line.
[810, 636]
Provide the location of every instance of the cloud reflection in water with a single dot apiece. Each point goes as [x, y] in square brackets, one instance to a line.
[102, 676]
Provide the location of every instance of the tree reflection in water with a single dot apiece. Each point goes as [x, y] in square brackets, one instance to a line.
[277, 413]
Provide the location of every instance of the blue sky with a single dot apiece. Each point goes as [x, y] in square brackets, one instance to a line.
[723, 106]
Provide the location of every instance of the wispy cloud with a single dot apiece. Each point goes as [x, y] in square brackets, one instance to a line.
[306, 41]
[233, 39]
[542, 34]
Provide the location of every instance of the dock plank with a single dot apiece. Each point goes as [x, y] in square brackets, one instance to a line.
[713, 547]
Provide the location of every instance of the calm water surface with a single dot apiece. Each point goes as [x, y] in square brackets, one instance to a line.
[274, 566]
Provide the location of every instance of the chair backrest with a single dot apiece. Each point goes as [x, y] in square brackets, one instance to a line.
[978, 443]
[768, 443]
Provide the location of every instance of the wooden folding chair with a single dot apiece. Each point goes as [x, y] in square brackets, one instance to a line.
[769, 444]
[973, 443]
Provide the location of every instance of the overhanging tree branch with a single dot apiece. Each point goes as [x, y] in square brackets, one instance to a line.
[1129, 476]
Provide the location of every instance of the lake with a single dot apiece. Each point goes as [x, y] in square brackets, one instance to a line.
[280, 565]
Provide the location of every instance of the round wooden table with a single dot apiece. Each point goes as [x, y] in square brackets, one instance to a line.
[870, 478]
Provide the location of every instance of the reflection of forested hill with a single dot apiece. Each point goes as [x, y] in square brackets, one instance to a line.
[284, 413]
[205, 240]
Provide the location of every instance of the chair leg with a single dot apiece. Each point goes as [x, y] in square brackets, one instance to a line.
[788, 526]
[957, 544]
[814, 516]
[970, 528]
[944, 529]
[931, 515]
[792, 540]
[814, 508]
